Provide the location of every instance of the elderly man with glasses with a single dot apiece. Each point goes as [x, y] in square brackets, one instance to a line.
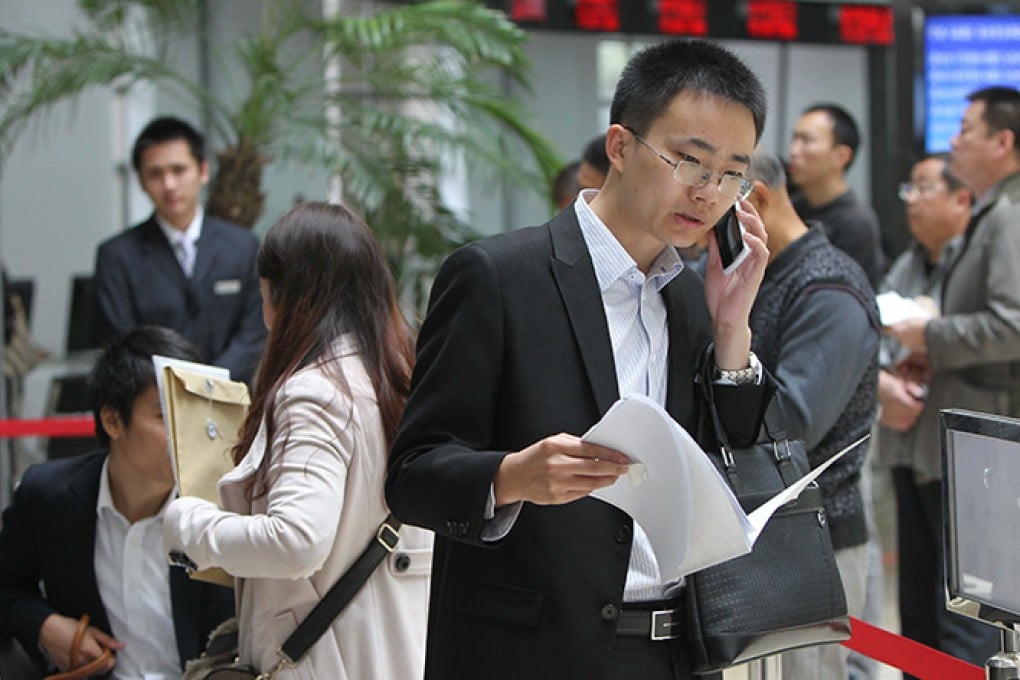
[938, 208]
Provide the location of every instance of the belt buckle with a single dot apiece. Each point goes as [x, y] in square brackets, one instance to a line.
[663, 623]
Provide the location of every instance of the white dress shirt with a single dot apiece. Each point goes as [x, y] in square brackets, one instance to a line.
[184, 243]
[636, 315]
[134, 584]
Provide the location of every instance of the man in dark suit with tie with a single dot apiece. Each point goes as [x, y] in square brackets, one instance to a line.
[84, 535]
[531, 336]
[182, 269]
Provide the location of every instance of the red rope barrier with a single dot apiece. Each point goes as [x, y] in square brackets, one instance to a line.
[62, 426]
[908, 655]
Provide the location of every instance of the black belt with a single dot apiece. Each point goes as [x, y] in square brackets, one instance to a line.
[655, 624]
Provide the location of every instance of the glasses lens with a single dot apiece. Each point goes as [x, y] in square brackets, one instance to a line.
[735, 187]
[905, 191]
[692, 174]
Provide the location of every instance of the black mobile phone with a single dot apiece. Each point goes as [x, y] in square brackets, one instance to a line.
[729, 234]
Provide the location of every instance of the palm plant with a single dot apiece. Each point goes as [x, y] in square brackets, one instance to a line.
[414, 86]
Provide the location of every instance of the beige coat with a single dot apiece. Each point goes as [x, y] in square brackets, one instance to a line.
[289, 547]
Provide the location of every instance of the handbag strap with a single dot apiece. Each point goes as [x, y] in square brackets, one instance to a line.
[87, 670]
[773, 432]
[339, 596]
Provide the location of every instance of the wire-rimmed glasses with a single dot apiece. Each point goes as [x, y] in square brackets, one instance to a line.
[695, 174]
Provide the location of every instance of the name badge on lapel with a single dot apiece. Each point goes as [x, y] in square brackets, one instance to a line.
[227, 287]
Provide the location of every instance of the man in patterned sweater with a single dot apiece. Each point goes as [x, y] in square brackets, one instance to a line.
[815, 328]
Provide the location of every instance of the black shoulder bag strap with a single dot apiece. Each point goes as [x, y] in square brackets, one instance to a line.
[340, 595]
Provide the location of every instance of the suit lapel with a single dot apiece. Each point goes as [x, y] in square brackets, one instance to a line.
[157, 252]
[679, 372]
[575, 276]
[185, 600]
[205, 249]
[79, 532]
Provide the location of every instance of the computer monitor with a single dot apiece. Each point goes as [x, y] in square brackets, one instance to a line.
[981, 472]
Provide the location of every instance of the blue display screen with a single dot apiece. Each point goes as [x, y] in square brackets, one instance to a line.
[961, 54]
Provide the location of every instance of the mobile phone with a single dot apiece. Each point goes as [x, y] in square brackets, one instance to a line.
[729, 234]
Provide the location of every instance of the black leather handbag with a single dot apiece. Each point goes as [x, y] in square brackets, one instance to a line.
[786, 592]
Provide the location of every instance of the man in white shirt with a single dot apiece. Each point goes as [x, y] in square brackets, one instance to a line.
[84, 536]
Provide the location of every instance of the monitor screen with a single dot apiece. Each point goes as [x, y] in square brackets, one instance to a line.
[981, 462]
[964, 52]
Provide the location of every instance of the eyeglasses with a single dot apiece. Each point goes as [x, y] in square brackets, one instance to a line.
[907, 190]
[693, 173]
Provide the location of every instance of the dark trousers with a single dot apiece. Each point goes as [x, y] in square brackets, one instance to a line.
[637, 658]
[923, 613]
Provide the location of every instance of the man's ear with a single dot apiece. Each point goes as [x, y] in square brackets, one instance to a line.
[616, 140]
[844, 154]
[111, 421]
[761, 197]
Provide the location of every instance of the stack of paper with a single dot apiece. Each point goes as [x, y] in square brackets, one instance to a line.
[676, 494]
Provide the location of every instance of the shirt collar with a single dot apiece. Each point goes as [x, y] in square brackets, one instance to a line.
[192, 233]
[608, 256]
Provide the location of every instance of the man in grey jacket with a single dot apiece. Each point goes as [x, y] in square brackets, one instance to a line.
[972, 351]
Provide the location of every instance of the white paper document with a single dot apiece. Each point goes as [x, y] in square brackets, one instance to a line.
[893, 308]
[675, 493]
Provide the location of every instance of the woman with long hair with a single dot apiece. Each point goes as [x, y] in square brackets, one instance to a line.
[306, 495]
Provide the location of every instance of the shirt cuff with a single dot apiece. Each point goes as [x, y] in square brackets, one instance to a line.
[498, 522]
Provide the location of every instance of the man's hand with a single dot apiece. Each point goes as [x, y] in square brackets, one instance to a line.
[57, 633]
[556, 470]
[731, 296]
[910, 334]
[901, 402]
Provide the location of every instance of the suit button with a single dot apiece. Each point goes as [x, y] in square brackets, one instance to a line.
[402, 562]
[610, 612]
[622, 534]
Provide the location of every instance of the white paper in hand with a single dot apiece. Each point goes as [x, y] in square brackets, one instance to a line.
[656, 492]
[893, 308]
[687, 533]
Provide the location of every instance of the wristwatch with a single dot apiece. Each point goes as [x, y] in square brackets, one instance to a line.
[739, 376]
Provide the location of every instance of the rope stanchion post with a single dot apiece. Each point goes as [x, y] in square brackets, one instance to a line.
[1005, 664]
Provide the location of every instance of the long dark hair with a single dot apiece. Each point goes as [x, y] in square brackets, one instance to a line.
[327, 275]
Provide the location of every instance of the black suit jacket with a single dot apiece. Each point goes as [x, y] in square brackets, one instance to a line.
[516, 347]
[139, 282]
[48, 536]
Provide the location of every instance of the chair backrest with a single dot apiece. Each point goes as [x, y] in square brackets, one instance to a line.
[83, 315]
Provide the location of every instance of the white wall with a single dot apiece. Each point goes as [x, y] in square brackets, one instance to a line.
[67, 185]
[58, 188]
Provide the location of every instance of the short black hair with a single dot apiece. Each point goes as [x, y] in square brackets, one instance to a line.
[595, 155]
[124, 370]
[167, 129]
[565, 186]
[1002, 109]
[844, 127]
[656, 75]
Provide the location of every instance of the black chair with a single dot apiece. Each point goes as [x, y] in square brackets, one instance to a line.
[72, 391]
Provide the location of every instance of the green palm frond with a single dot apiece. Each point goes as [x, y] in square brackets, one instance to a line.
[41, 72]
[418, 85]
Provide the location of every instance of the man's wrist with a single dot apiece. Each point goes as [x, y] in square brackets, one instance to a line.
[748, 375]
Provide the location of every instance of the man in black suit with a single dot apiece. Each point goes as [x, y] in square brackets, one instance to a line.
[181, 268]
[84, 535]
[530, 337]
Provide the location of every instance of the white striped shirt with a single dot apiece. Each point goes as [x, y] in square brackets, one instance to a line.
[636, 316]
